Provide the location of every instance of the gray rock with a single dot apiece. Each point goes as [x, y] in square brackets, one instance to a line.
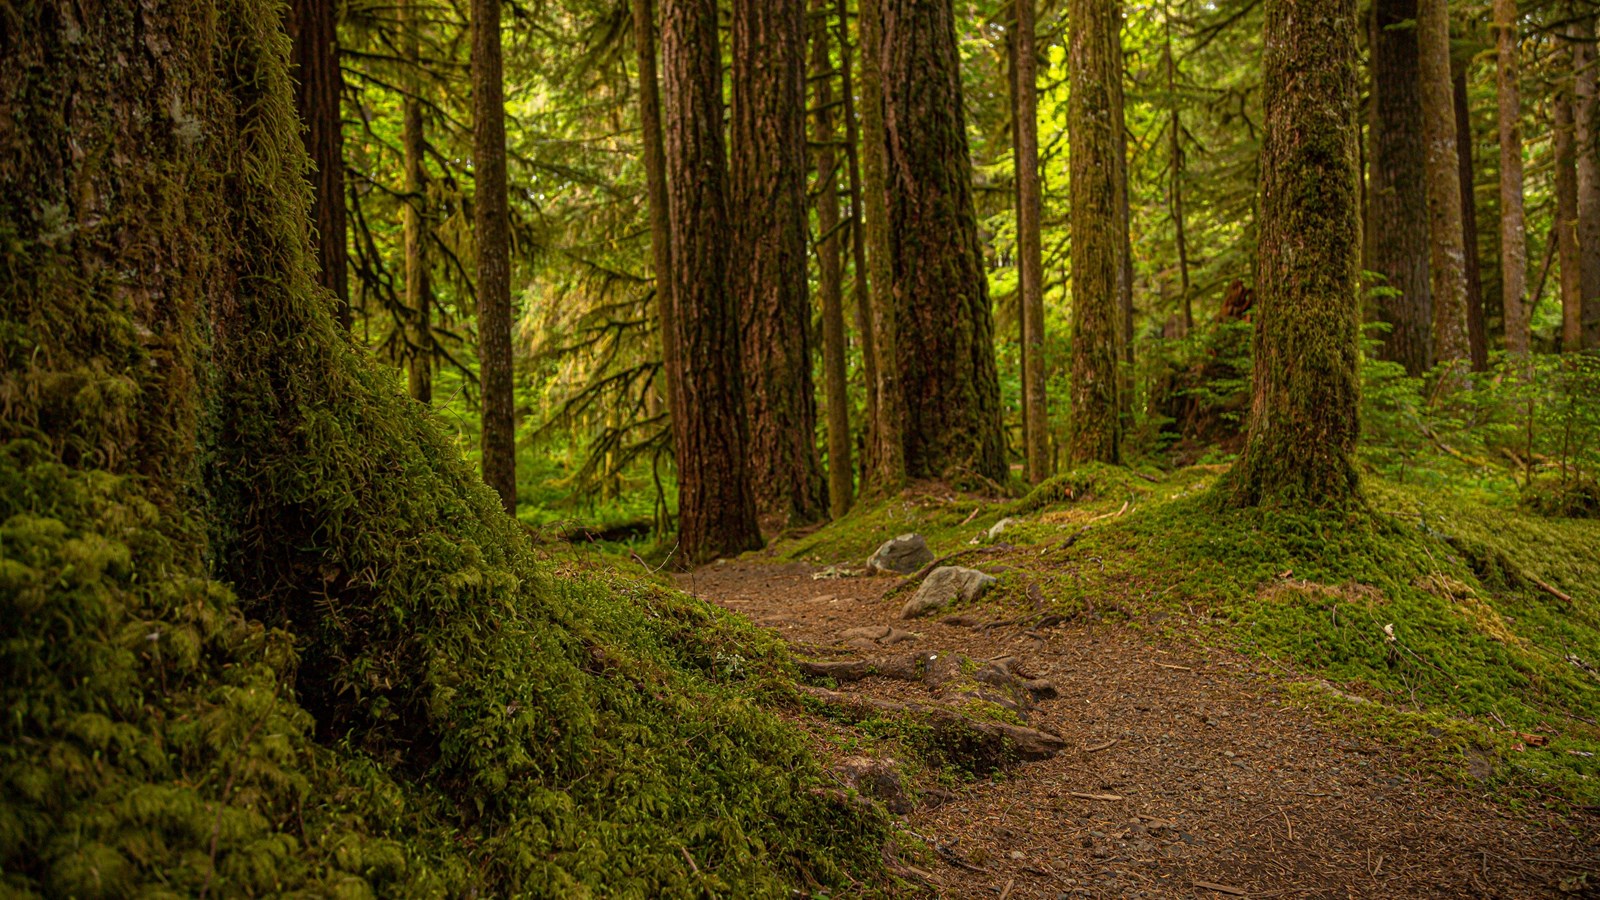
[902, 555]
[944, 586]
[878, 779]
[1002, 525]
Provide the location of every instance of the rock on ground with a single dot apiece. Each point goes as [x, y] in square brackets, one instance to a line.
[944, 586]
[902, 555]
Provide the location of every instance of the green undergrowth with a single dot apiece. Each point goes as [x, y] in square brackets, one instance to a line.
[1436, 603]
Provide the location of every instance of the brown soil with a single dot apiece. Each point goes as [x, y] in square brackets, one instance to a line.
[1187, 773]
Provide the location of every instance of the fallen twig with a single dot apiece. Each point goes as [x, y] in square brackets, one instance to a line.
[1106, 797]
[1221, 888]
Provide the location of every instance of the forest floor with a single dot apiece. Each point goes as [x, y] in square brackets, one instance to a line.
[1190, 770]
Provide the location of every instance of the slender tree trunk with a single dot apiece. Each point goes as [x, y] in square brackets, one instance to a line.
[1175, 166]
[655, 174]
[491, 222]
[1096, 247]
[886, 453]
[1447, 262]
[1030, 203]
[313, 28]
[830, 270]
[1397, 197]
[1124, 233]
[861, 291]
[1477, 331]
[769, 266]
[1513, 226]
[945, 328]
[1566, 191]
[414, 221]
[1586, 119]
[716, 508]
[1304, 410]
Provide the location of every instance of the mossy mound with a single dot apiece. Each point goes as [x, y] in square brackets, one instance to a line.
[264, 631]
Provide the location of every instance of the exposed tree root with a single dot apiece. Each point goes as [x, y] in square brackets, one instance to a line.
[961, 738]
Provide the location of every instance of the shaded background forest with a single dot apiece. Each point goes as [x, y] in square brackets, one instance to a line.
[592, 423]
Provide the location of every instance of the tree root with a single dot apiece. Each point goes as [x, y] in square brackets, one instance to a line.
[960, 738]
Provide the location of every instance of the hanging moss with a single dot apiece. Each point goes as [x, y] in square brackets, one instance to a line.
[264, 631]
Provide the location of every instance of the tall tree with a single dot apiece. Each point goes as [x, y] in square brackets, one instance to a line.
[313, 28]
[944, 325]
[1397, 243]
[886, 452]
[1564, 140]
[1303, 413]
[860, 289]
[1447, 254]
[830, 267]
[1096, 430]
[1513, 224]
[769, 267]
[1586, 138]
[1030, 250]
[1169, 65]
[414, 224]
[716, 508]
[1477, 330]
[491, 223]
[655, 173]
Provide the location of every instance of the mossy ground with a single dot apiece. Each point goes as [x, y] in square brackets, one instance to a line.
[1438, 604]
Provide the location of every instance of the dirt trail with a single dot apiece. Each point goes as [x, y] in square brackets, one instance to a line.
[1185, 773]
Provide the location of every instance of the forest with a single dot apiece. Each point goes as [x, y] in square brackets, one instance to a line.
[800, 448]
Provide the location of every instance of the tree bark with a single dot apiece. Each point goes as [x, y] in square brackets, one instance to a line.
[313, 28]
[655, 174]
[769, 265]
[1513, 224]
[1096, 430]
[861, 290]
[830, 270]
[944, 326]
[414, 220]
[716, 508]
[1477, 332]
[491, 221]
[1304, 409]
[1586, 132]
[886, 452]
[1397, 244]
[1124, 233]
[1030, 249]
[1566, 190]
[1447, 263]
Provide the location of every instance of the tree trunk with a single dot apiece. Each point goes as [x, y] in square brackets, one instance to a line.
[886, 453]
[1124, 233]
[1566, 191]
[1304, 410]
[860, 288]
[830, 270]
[1397, 197]
[1096, 247]
[491, 222]
[655, 174]
[769, 264]
[716, 508]
[313, 28]
[944, 326]
[1513, 225]
[1586, 120]
[1477, 332]
[414, 220]
[1030, 268]
[1447, 261]
[1175, 168]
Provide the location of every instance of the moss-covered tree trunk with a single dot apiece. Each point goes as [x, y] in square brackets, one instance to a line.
[716, 508]
[1477, 329]
[1397, 192]
[1030, 250]
[415, 227]
[1513, 222]
[886, 452]
[1095, 427]
[492, 227]
[1304, 406]
[830, 266]
[945, 328]
[769, 263]
[1447, 260]
[1565, 182]
[1586, 140]
[313, 27]
[655, 172]
[860, 287]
